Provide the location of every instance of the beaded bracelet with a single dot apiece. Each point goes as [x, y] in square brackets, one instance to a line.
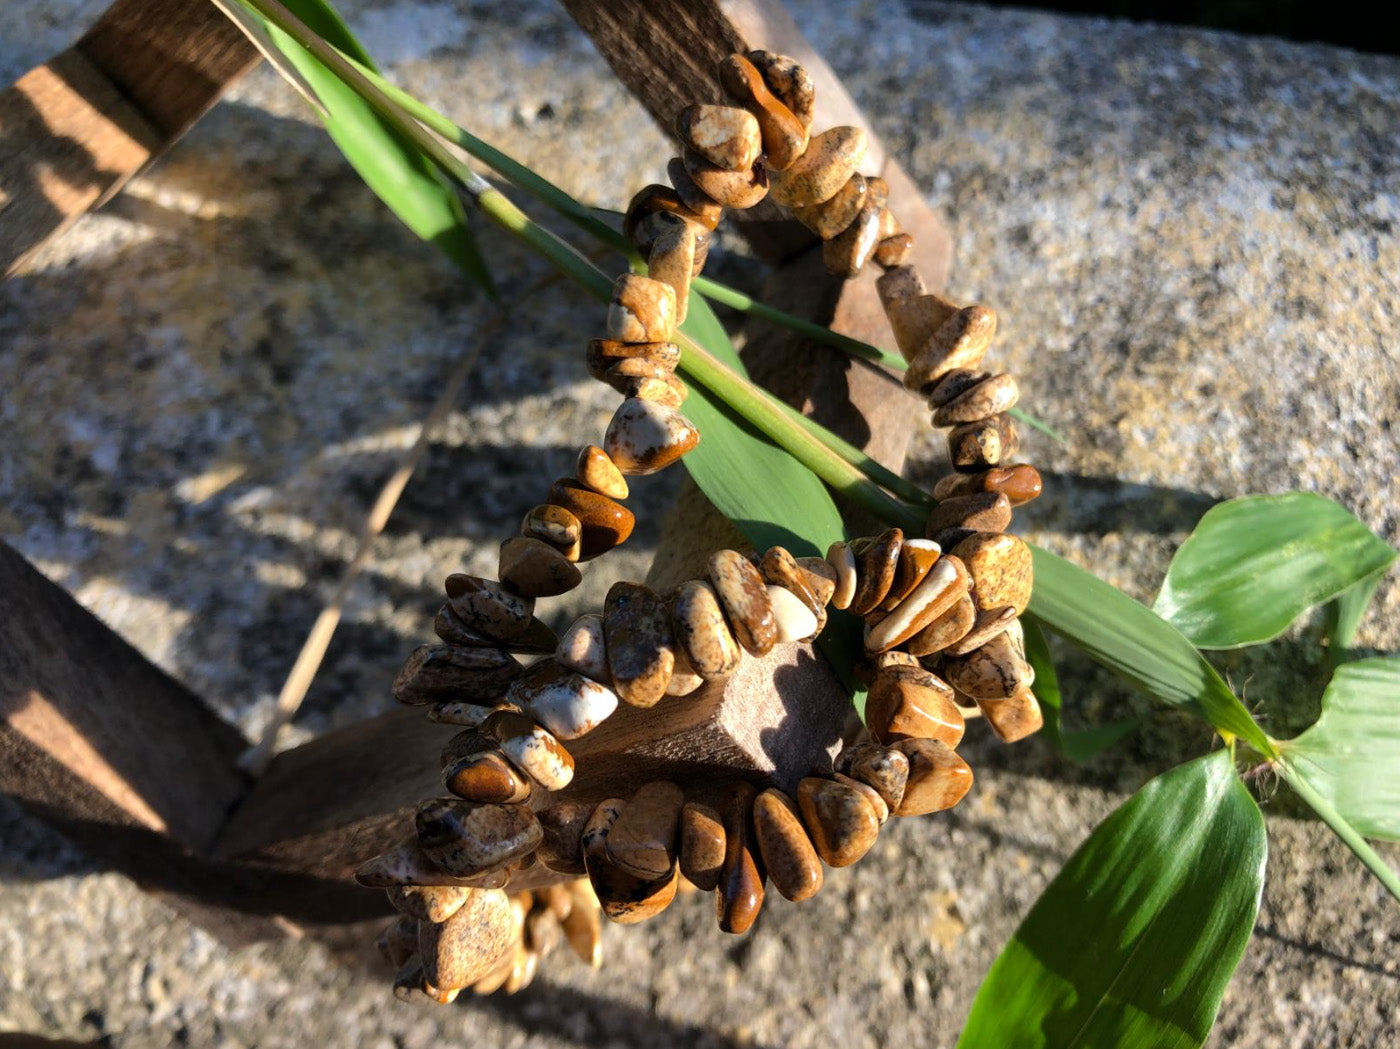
[941, 634]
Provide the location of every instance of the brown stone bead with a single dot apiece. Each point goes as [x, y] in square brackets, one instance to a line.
[882, 810]
[917, 320]
[467, 838]
[788, 855]
[784, 135]
[399, 940]
[911, 703]
[531, 748]
[980, 512]
[600, 473]
[429, 903]
[732, 189]
[889, 226]
[779, 567]
[486, 777]
[883, 768]
[433, 673]
[726, 136]
[877, 561]
[562, 825]
[458, 952]
[739, 895]
[744, 597]
[643, 839]
[563, 701]
[976, 446]
[954, 384]
[487, 607]
[845, 254]
[820, 576]
[946, 629]
[702, 845]
[994, 671]
[532, 568]
[938, 591]
[655, 199]
[467, 743]
[834, 216]
[460, 713]
[625, 898]
[1015, 718]
[1001, 568]
[583, 927]
[991, 396]
[938, 778]
[960, 342]
[987, 625]
[894, 250]
[666, 390]
[672, 261]
[625, 374]
[556, 526]
[1020, 483]
[637, 635]
[700, 630]
[603, 355]
[645, 437]
[604, 523]
[830, 160]
[407, 864]
[842, 822]
[916, 557]
[692, 197]
[789, 82]
[642, 310]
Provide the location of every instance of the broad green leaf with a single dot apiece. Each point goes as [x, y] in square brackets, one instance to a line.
[390, 165]
[1351, 755]
[1344, 615]
[1136, 644]
[1075, 744]
[1253, 565]
[1134, 941]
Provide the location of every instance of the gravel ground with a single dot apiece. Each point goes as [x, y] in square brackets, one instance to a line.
[1189, 237]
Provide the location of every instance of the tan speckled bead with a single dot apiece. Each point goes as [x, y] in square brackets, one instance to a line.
[830, 160]
[946, 629]
[695, 199]
[788, 854]
[977, 446]
[784, 135]
[979, 512]
[672, 260]
[468, 838]
[744, 598]
[458, 952]
[1001, 569]
[726, 136]
[842, 822]
[702, 845]
[642, 841]
[994, 671]
[732, 189]
[831, 217]
[433, 673]
[1015, 718]
[789, 82]
[739, 895]
[847, 253]
[604, 354]
[600, 473]
[532, 568]
[991, 396]
[637, 632]
[642, 310]
[701, 632]
[911, 703]
[624, 897]
[938, 777]
[604, 523]
[1020, 483]
[960, 342]
[877, 560]
[645, 437]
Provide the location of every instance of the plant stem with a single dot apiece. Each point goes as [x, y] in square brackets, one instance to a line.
[1340, 827]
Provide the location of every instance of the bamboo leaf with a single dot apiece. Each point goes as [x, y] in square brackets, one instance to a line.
[1137, 645]
[1075, 744]
[390, 165]
[1134, 941]
[1351, 755]
[1344, 615]
[1253, 565]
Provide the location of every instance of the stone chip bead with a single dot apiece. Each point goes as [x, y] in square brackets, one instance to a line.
[468, 838]
[640, 648]
[556, 526]
[739, 895]
[724, 135]
[701, 632]
[911, 703]
[938, 777]
[643, 839]
[784, 135]
[1020, 483]
[739, 190]
[882, 810]
[407, 864]
[916, 557]
[568, 704]
[429, 903]
[603, 522]
[458, 952]
[645, 437]
[788, 854]
[433, 673]
[562, 824]
[960, 342]
[582, 648]
[531, 748]
[978, 512]
[842, 822]
[884, 768]
[946, 629]
[988, 442]
[994, 671]
[834, 216]
[460, 713]
[532, 568]
[654, 199]
[744, 598]
[487, 777]
[820, 578]
[604, 355]
[487, 607]
[877, 558]
[789, 82]
[830, 160]
[846, 254]
[991, 396]
[842, 560]
[693, 197]
[1001, 569]
[642, 310]
[597, 471]
[1015, 718]
[625, 898]
[702, 845]
[672, 261]
[894, 250]
[795, 621]
[986, 624]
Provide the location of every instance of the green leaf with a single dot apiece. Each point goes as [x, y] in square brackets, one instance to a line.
[1351, 755]
[1253, 565]
[390, 165]
[1344, 615]
[1137, 645]
[1134, 941]
[1075, 744]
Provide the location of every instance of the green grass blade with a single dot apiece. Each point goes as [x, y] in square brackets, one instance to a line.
[1075, 744]
[1135, 940]
[1254, 565]
[1138, 645]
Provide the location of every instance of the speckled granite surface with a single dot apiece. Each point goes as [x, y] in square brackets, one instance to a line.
[1189, 237]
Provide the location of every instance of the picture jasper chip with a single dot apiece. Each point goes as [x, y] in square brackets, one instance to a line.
[487, 777]
[701, 632]
[458, 952]
[883, 768]
[960, 342]
[604, 522]
[842, 822]
[1001, 569]
[532, 568]
[994, 671]
[833, 216]
[976, 446]
[645, 437]
[877, 562]
[979, 512]
[642, 841]
[433, 673]
[946, 629]
[637, 632]
[556, 526]
[624, 897]
[789, 82]
[487, 607]
[938, 778]
[740, 891]
[989, 397]
[702, 845]
[911, 703]
[1020, 483]
[788, 855]
[830, 160]
[708, 211]
[429, 903]
[744, 597]
[1015, 718]
[894, 250]
[468, 838]
[784, 135]
[596, 470]
[845, 254]
[603, 355]
[724, 135]
[733, 189]
[562, 825]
